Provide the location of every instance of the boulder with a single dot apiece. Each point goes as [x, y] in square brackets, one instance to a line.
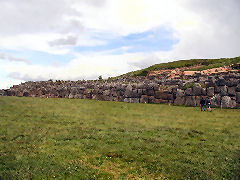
[227, 102]
[128, 92]
[221, 82]
[150, 92]
[180, 100]
[210, 91]
[238, 88]
[210, 84]
[161, 94]
[144, 99]
[216, 100]
[188, 92]
[134, 100]
[127, 100]
[232, 82]
[231, 91]
[190, 101]
[238, 97]
[151, 99]
[180, 93]
[223, 90]
[135, 93]
[197, 91]
[216, 89]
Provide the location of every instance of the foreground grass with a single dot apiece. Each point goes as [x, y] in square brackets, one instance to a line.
[83, 139]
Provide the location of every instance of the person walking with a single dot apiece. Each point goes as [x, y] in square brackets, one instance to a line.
[202, 103]
[208, 103]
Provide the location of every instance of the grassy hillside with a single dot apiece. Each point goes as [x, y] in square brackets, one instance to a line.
[85, 139]
[206, 64]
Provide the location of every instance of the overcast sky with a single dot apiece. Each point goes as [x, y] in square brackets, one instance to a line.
[82, 39]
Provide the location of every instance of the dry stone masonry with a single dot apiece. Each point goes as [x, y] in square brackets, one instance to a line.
[223, 89]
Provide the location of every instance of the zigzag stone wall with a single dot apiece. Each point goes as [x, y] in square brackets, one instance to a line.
[224, 90]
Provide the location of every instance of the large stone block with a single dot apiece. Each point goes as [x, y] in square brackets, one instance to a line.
[144, 99]
[210, 84]
[216, 100]
[180, 100]
[180, 93]
[217, 89]
[227, 102]
[231, 91]
[190, 101]
[223, 90]
[151, 99]
[188, 92]
[127, 100]
[197, 90]
[210, 91]
[221, 82]
[238, 97]
[150, 92]
[163, 95]
[232, 82]
[238, 88]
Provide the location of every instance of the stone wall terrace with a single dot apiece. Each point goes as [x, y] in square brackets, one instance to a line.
[223, 90]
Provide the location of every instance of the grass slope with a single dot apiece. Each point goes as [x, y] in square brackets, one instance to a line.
[83, 139]
[206, 64]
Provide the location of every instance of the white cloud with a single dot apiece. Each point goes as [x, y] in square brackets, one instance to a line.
[204, 29]
[82, 67]
[8, 57]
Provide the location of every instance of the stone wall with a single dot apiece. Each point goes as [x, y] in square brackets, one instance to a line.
[224, 90]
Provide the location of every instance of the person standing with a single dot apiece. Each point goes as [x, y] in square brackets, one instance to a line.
[202, 103]
[208, 103]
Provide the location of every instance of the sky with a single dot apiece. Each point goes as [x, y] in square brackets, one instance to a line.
[83, 39]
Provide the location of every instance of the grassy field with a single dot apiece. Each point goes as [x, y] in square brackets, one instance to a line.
[86, 139]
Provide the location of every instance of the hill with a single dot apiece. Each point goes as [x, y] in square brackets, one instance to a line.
[202, 63]
[86, 139]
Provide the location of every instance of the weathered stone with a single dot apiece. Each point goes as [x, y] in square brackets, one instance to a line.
[221, 82]
[223, 90]
[197, 91]
[144, 99]
[190, 101]
[216, 100]
[134, 100]
[180, 100]
[128, 92]
[26, 93]
[226, 102]
[238, 88]
[150, 92]
[161, 101]
[127, 100]
[144, 91]
[71, 96]
[217, 89]
[231, 91]
[210, 84]
[231, 83]
[210, 91]
[162, 94]
[151, 99]
[188, 92]
[135, 93]
[238, 97]
[180, 93]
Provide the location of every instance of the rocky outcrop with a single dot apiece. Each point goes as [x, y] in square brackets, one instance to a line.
[223, 90]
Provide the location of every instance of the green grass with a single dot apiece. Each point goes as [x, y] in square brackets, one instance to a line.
[205, 64]
[86, 139]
